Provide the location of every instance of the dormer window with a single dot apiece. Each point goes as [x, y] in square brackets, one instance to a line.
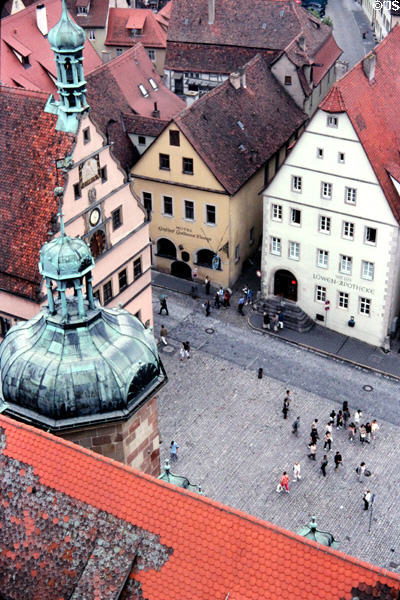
[136, 32]
[153, 83]
[143, 90]
[288, 80]
[82, 7]
[81, 10]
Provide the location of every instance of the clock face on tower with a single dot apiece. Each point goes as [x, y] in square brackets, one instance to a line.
[94, 217]
[89, 171]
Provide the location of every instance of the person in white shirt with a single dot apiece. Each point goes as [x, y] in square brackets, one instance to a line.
[296, 471]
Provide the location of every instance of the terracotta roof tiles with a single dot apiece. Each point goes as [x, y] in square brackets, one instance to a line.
[20, 30]
[369, 105]
[118, 32]
[97, 16]
[129, 535]
[236, 131]
[30, 146]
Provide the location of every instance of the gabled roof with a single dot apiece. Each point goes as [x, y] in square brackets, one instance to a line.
[96, 17]
[75, 524]
[113, 91]
[325, 58]
[8, 5]
[20, 30]
[235, 131]
[144, 125]
[370, 107]
[122, 20]
[163, 16]
[29, 145]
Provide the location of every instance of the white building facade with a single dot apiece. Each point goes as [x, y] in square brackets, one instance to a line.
[330, 236]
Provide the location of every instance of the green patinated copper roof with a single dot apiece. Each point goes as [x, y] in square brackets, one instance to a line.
[66, 35]
[178, 480]
[65, 258]
[322, 537]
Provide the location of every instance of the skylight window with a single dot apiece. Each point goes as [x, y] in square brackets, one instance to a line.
[186, 21]
[153, 83]
[240, 124]
[264, 26]
[143, 90]
[242, 147]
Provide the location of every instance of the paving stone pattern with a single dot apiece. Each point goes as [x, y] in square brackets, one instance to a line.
[235, 443]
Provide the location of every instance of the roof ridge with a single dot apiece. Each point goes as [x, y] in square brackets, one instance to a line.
[58, 441]
[119, 59]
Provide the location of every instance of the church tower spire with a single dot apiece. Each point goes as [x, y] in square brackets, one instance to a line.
[67, 40]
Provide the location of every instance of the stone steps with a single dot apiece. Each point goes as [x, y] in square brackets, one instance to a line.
[294, 317]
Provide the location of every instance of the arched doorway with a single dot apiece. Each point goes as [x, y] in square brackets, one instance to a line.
[205, 258]
[285, 284]
[181, 269]
[166, 248]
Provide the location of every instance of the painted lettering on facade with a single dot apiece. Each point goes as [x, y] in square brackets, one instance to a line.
[345, 283]
[184, 231]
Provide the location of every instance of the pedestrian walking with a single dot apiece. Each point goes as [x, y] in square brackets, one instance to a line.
[346, 417]
[367, 499]
[296, 471]
[328, 441]
[249, 297]
[163, 335]
[173, 451]
[313, 451]
[186, 347]
[221, 294]
[314, 437]
[240, 306]
[345, 406]
[207, 306]
[361, 471]
[280, 320]
[284, 483]
[352, 431]
[357, 417]
[275, 323]
[296, 426]
[285, 409]
[182, 352]
[363, 434]
[374, 428]
[227, 299]
[207, 285]
[332, 415]
[338, 460]
[368, 430]
[266, 321]
[216, 300]
[324, 464]
[314, 424]
[163, 305]
[339, 420]
[328, 427]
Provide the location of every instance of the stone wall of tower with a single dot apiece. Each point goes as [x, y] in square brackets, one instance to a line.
[135, 442]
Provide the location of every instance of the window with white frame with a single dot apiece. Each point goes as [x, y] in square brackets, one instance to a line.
[295, 216]
[320, 293]
[320, 153]
[324, 224]
[350, 195]
[168, 206]
[370, 235]
[276, 246]
[189, 210]
[332, 121]
[92, 34]
[341, 157]
[296, 183]
[276, 214]
[343, 300]
[294, 250]
[322, 258]
[345, 264]
[211, 214]
[348, 230]
[151, 53]
[364, 306]
[326, 190]
[367, 270]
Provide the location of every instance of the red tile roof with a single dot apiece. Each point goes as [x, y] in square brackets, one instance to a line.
[163, 16]
[325, 58]
[29, 145]
[236, 131]
[144, 125]
[96, 17]
[118, 33]
[77, 524]
[370, 107]
[20, 29]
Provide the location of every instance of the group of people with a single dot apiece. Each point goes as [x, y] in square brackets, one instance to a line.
[275, 323]
[340, 420]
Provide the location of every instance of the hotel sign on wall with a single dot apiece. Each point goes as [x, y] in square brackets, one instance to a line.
[186, 231]
[344, 282]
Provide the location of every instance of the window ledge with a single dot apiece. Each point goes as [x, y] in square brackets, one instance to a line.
[167, 215]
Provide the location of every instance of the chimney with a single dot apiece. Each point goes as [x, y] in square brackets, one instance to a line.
[211, 12]
[41, 19]
[105, 56]
[156, 112]
[234, 80]
[368, 65]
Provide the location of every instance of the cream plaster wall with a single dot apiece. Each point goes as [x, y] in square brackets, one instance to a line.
[371, 209]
